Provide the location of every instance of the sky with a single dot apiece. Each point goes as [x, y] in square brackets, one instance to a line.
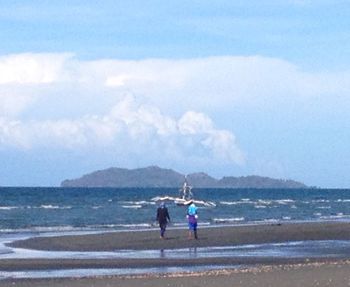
[229, 88]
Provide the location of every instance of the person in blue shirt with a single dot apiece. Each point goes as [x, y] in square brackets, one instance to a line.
[192, 221]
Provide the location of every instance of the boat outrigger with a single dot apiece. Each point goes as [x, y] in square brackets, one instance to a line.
[185, 198]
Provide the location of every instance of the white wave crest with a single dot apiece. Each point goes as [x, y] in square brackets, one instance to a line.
[285, 201]
[343, 200]
[8, 207]
[142, 202]
[228, 220]
[260, 206]
[49, 206]
[336, 216]
[136, 206]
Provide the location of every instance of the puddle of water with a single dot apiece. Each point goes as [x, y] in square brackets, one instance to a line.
[81, 273]
[298, 249]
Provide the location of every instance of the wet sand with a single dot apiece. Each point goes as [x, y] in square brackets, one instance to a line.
[263, 272]
[336, 274]
[177, 238]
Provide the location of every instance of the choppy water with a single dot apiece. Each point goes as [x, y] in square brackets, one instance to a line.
[65, 209]
[27, 212]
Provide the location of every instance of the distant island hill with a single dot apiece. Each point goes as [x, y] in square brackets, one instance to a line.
[156, 177]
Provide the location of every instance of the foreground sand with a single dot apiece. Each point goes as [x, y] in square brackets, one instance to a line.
[336, 274]
[264, 271]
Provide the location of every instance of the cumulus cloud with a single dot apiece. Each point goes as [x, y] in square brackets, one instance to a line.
[176, 107]
[13, 103]
[22, 77]
[211, 85]
[192, 123]
[127, 122]
[32, 68]
[215, 84]
[221, 142]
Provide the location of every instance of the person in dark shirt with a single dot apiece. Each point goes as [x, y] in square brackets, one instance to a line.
[163, 218]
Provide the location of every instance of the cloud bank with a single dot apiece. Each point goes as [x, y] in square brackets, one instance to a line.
[165, 109]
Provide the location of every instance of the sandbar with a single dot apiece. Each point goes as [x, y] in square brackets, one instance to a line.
[268, 271]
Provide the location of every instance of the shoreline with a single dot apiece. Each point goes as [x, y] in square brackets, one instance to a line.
[248, 269]
[336, 274]
[176, 238]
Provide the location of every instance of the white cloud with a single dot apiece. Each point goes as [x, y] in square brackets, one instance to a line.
[216, 84]
[176, 107]
[211, 85]
[117, 81]
[11, 134]
[32, 68]
[12, 103]
[221, 142]
[22, 77]
[224, 146]
[142, 118]
[193, 123]
[127, 122]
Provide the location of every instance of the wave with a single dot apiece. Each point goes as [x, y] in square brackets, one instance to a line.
[271, 220]
[285, 201]
[335, 216]
[43, 206]
[259, 202]
[228, 220]
[8, 207]
[343, 200]
[320, 201]
[44, 229]
[326, 201]
[231, 202]
[182, 224]
[234, 202]
[69, 228]
[140, 202]
[48, 206]
[131, 226]
[136, 206]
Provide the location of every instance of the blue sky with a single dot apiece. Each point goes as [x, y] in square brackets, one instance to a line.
[228, 88]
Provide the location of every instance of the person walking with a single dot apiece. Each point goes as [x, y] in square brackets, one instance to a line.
[163, 218]
[192, 217]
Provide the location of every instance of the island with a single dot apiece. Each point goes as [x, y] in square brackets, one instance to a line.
[156, 177]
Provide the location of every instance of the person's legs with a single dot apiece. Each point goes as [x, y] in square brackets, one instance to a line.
[191, 231]
[162, 229]
[195, 231]
[189, 234]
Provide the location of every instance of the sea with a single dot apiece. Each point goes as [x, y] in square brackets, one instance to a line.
[39, 211]
[30, 209]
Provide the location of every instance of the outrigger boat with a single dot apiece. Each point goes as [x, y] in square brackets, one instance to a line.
[185, 198]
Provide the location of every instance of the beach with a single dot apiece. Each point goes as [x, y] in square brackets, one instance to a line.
[177, 238]
[336, 274]
[299, 271]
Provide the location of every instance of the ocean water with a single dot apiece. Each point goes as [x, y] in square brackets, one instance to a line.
[27, 212]
[94, 209]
